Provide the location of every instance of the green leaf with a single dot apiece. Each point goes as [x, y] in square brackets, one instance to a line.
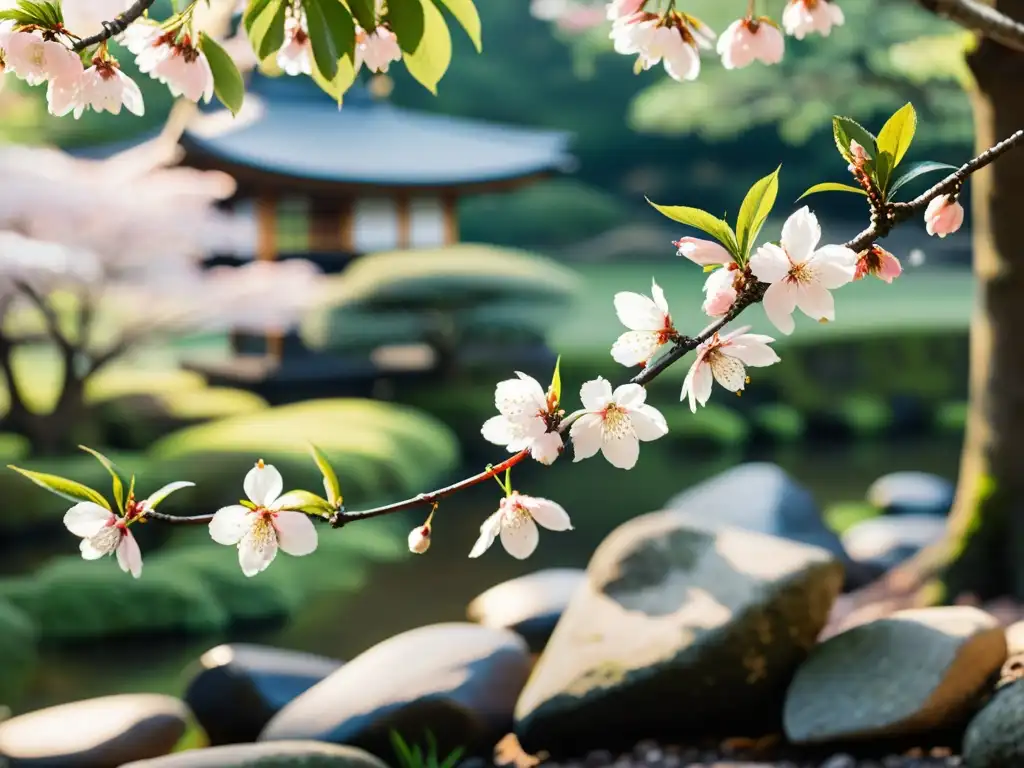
[556, 379]
[267, 31]
[757, 204]
[109, 466]
[466, 14]
[66, 489]
[342, 81]
[402, 750]
[408, 22]
[162, 493]
[832, 186]
[325, 51]
[331, 485]
[227, 81]
[919, 169]
[304, 501]
[883, 169]
[845, 130]
[702, 220]
[897, 133]
[428, 60]
[340, 25]
[253, 12]
[364, 12]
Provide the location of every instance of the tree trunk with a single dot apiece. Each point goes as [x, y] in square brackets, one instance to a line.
[986, 558]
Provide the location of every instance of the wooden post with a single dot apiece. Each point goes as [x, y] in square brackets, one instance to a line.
[404, 223]
[266, 250]
[451, 220]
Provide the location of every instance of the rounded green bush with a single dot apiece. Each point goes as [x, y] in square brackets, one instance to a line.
[782, 422]
[378, 449]
[951, 417]
[715, 424]
[864, 415]
[18, 636]
[72, 599]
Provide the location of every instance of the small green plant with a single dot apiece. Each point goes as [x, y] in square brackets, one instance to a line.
[414, 757]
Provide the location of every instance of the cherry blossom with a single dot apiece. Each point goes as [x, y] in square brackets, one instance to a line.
[614, 423]
[800, 276]
[673, 40]
[295, 57]
[860, 157]
[525, 420]
[105, 533]
[35, 60]
[702, 252]
[259, 532]
[748, 40]
[171, 59]
[649, 323]
[419, 539]
[725, 359]
[376, 49]
[105, 88]
[86, 17]
[618, 9]
[943, 216]
[720, 288]
[878, 262]
[802, 17]
[516, 523]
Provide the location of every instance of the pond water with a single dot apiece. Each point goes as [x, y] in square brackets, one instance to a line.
[437, 586]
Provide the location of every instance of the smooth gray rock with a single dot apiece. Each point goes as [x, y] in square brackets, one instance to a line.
[912, 672]
[95, 733]
[995, 737]
[459, 681]
[237, 688]
[681, 631]
[280, 754]
[888, 541]
[759, 497]
[530, 605]
[912, 493]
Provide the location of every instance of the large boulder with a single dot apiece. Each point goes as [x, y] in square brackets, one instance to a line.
[530, 605]
[761, 497]
[238, 688]
[916, 671]
[95, 733]
[995, 737]
[458, 681]
[888, 541]
[280, 754]
[912, 493]
[680, 631]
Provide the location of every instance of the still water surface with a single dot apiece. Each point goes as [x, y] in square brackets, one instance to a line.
[437, 586]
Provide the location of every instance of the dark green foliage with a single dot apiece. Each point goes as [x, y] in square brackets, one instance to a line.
[17, 648]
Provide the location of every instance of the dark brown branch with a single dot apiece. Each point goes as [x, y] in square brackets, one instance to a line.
[49, 315]
[115, 27]
[753, 294]
[978, 17]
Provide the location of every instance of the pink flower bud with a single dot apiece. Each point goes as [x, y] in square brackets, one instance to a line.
[419, 539]
[878, 262]
[944, 216]
[748, 40]
[860, 156]
[703, 252]
[719, 303]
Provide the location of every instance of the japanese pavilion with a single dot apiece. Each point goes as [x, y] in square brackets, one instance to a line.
[328, 184]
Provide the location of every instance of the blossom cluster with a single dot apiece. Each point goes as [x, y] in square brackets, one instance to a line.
[172, 53]
[675, 38]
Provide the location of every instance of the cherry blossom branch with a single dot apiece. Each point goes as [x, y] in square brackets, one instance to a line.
[979, 17]
[49, 315]
[116, 26]
[882, 223]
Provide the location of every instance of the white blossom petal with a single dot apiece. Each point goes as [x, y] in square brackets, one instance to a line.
[639, 313]
[546, 448]
[258, 548]
[728, 371]
[688, 392]
[230, 524]
[779, 303]
[596, 394]
[835, 266]
[753, 350]
[648, 423]
[621, 450]
[498, 430]
[86, 519]
[586, 433]
[701, 384]
[263, 484]
[815, 301]
[630, 396]
[520, 540]
[547, 513]
[296, 533]
[635, 348]
[800, 235]
[659, 298]
[769, 264]
[89, 551]
[129, 556]
[488, 532]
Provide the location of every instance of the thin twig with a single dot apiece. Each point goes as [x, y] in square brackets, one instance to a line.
[116, 26]
[753, 294]
[49, 315]
[979, 17]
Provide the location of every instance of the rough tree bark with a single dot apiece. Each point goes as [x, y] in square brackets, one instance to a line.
[985, 556]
